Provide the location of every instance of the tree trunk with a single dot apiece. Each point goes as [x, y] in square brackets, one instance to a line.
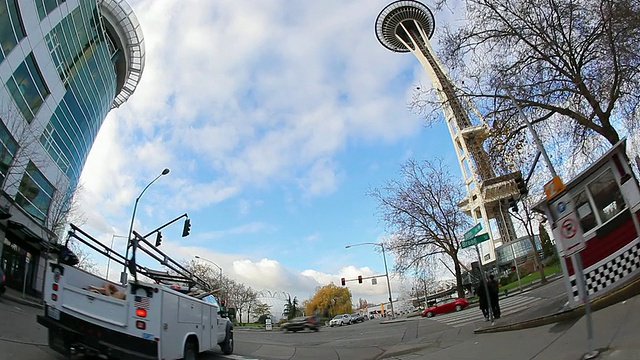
[456, 265]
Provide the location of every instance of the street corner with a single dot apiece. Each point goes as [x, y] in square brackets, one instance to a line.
[630, 289]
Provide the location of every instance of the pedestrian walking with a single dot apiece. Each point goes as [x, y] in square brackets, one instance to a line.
[482, 300]
[494, 296]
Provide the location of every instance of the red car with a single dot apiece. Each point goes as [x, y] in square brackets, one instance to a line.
[445, 306]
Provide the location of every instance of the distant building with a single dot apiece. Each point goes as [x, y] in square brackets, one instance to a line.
[516, 251]
[63, 66]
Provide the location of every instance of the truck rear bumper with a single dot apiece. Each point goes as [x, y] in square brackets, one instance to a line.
[70, 332]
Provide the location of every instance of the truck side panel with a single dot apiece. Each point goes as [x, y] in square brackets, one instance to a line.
[172, 343]
[189, 311]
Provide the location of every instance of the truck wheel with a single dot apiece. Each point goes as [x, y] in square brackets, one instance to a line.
[190, 350]
[227, 345]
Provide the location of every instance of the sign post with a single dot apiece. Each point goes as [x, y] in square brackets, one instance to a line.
[568, 232]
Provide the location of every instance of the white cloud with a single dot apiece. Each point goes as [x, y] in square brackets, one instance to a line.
[260, 110]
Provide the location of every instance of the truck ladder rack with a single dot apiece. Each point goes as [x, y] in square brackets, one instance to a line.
[176, 273]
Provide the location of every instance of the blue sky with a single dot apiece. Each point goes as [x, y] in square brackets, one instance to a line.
[275, 118]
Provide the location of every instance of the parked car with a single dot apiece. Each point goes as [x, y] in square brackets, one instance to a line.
[339, 320]
[302, 323]
[2, 280]
[445, 306]
[356, 318]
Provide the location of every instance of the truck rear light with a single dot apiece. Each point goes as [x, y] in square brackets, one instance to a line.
[141, 312]
[56, 277]
[54, 297]
[54, 287]
[141, 325]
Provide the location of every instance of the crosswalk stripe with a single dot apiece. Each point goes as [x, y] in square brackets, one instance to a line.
[508, 306]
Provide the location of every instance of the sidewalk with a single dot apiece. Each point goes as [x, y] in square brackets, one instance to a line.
[16, 296]
[551, 311]
[540, 333]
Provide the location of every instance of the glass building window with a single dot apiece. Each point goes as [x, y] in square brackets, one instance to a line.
[27, 88]
[11, 27]
[8, 149]
[45, 7]
[35, 193]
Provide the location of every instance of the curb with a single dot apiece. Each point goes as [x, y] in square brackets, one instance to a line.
[614, 297]
[22, 301]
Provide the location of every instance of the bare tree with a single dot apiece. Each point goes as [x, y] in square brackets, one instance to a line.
[525, 216]
[241, 297]
[421, 210]
[26, 140]
[574, 62]
[85, 260]
[209, 274]
[260, 308]
[64, 208]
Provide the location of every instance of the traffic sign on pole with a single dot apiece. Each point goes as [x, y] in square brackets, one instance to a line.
[473, 231]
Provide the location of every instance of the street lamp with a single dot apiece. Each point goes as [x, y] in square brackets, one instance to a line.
[209, 261]
[111, 249]
[386, 272]
[123, 275]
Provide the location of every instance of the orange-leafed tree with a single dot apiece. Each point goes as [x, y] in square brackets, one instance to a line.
[329, 300]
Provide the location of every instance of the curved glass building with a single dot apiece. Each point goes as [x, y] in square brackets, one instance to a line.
[64, 64]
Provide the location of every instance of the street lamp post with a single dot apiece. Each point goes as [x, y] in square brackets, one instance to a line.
[123, 275]
[111, 249]
[386, 271]
[216, 265]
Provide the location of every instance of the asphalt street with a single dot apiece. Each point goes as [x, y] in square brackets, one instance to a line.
[453, 336]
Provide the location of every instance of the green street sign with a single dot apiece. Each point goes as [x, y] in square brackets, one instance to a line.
[474, 240]
[474, 230]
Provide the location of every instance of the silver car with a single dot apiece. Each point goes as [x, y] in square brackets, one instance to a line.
[339, 320]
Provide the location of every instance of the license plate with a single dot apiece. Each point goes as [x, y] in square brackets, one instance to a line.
[53, 313]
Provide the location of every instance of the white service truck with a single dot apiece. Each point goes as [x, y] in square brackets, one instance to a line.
[86, 314]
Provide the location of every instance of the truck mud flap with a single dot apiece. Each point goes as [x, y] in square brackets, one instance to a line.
[56, 336]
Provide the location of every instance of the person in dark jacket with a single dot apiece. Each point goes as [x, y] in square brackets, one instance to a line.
[482, 300]
[494, 296]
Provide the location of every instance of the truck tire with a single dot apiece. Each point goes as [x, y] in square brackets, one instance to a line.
[227, 345]
[190, 350]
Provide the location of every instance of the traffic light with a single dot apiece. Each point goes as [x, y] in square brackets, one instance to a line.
[513, 204]
[343, 281]
[359, 279]
[187, 228]
[158, 239]
[522, 185]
